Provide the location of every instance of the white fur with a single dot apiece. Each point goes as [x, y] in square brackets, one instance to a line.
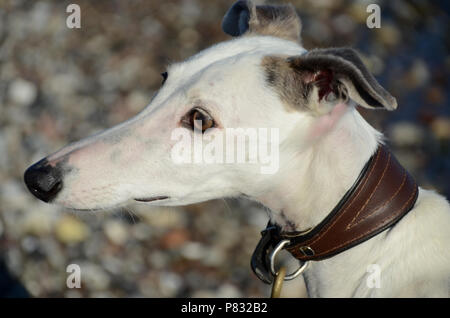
[132, 160]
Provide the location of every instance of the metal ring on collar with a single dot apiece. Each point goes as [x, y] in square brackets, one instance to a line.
[274, 253]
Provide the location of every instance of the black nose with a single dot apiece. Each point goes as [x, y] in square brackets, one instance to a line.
[43, 180]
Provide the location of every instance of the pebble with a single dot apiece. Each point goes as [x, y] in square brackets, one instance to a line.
[388, 34]
[13, 196]
[148, 287]
[256, 217]
[418, 74]
[322, 30]
[39, 16]
[135, 262]
[95, 245]
[358, 12]
[228, 291]
[53, 252]
[15, 260]
[141, 232]
[406, 134]
[62, 85]
[116, 231]
[193, 251]
[71, 230]
[214, 257]
[375, 65]
[137, 100]
[30, 244]
[22, 92]
[158, 259]
[174, 238]
[112, 264]
[170, 284]
[162, 218]
[441, 128]
[39, 221]
[343, 23]
[94, 277]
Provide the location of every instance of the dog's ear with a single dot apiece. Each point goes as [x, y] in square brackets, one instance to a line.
[325, 76]
[246, 18]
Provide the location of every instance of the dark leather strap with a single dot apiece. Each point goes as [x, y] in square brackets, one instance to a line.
[383, 193]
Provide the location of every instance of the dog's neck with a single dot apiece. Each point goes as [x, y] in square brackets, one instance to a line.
[310, 186]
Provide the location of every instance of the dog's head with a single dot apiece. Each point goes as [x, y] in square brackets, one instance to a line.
[177, 150]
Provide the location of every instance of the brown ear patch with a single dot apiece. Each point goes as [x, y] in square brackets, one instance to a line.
[290, 85]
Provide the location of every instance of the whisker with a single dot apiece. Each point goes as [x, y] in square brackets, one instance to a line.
[132, 215]
[228, 209]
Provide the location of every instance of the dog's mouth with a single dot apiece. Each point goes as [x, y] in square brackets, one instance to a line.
[151, 199]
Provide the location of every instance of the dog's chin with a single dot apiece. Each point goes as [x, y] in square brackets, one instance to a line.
[77, 207]
[86, 210]
[87, 206]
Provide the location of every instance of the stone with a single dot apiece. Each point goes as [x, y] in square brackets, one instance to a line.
[71, 230]
[22, 92]
[116, 231]
[193, 251]
[162, 218]
[441, 128]
[93, 277]
[215, 257]
[228, 291]
[388, 34]
[406, 134]
[174, 238]
[169, 284]
[141, 232]
[158, 259]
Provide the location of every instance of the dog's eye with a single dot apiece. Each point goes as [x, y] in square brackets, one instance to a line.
[164, 76]
[198, 119]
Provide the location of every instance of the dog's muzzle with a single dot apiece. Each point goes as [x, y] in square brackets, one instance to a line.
[43, 180]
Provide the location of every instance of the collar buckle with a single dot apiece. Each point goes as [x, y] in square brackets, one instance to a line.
[263, 259]
[260, 261]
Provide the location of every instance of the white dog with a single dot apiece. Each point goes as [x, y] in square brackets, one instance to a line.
[263, 78]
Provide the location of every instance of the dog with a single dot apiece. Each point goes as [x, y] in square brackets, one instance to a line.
[263, 77]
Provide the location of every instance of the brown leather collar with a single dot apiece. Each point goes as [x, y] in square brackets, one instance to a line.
[383, 193]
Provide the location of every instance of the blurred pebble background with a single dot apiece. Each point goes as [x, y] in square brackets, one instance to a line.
[58, 85]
